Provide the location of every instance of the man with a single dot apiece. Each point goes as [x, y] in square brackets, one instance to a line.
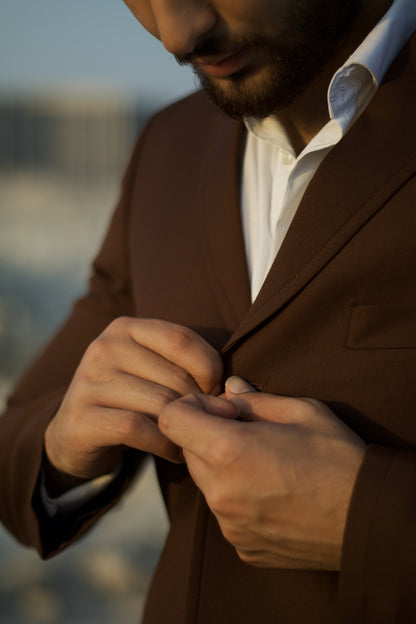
[288, 248]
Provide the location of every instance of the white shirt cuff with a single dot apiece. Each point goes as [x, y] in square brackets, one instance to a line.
[78, 496]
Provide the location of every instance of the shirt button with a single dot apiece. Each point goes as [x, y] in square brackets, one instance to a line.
[287, 158]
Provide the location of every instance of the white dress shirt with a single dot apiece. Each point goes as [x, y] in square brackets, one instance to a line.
[274, 180]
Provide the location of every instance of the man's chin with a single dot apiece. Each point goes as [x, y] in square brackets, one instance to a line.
[246, 94]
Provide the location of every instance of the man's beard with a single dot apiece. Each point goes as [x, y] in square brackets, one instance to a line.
[290, 66]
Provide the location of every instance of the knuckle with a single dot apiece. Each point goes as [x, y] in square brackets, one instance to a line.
[220, 454]
[81, 393]
[244, 555]
[97, 350]
[223, 504]
[252, 558]
[228, 450]
[164, 421]
[217, 502]
[306, 408]
[223, 452]
[130, 425]
[207, 367]
[85, 378]
[163, 396]
[233, 535]
[166, 413]
[95, 366]
[181, 337]
[120, 324]
[236, 532]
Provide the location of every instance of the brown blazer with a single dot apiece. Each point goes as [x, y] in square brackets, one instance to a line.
[335, 320]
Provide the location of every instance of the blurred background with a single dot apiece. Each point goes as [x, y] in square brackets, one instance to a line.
[78, 80]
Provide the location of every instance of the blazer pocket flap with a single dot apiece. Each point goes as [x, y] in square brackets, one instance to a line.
[388, 326]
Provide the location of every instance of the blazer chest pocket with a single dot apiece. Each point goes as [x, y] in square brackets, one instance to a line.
[387, 326]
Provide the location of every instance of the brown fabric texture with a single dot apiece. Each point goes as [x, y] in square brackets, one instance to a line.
[334, 321]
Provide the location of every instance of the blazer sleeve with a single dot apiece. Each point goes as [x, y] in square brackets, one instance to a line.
[378, 572]
[41, 390]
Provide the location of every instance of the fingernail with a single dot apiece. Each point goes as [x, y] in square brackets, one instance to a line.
[237, 385]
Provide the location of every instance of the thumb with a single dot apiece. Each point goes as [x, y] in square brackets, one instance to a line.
[237, 391]
[237, 385]
[256, 406]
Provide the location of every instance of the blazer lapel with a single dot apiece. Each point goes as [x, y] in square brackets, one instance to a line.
[353, 182]
[221, 231]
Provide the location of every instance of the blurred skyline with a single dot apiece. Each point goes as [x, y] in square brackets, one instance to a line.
[93, 46]
[77, 80]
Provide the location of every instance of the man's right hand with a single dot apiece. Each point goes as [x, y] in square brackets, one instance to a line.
[126, 377]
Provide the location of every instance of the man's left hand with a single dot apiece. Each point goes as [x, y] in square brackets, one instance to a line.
[277, 472]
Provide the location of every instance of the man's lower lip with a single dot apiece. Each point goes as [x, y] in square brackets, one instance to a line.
[225, 67]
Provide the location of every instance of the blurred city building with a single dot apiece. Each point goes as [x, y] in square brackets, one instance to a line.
[84, 138]
[61, 160]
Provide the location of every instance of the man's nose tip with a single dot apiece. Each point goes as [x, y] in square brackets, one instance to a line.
[180, 31]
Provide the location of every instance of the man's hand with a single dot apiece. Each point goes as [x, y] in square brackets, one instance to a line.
[279, 482]
[127, 375]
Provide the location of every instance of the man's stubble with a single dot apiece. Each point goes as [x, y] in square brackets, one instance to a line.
[292, 59]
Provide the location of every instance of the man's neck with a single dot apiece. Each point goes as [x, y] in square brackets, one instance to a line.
[304, 118]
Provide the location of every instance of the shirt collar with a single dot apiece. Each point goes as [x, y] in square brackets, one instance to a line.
[355, 83]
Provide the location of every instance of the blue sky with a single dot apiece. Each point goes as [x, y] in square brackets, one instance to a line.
[50, 45]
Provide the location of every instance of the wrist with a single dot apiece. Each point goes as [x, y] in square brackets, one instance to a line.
[56, 481]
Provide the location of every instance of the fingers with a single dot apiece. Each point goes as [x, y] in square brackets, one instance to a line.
[310, 414]
[88, 446]
[167, 354]
[179, 346]
[256, 406]
[259, 406]
[136, 430]
[127, 392]
[126, 377]
[197, 423]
